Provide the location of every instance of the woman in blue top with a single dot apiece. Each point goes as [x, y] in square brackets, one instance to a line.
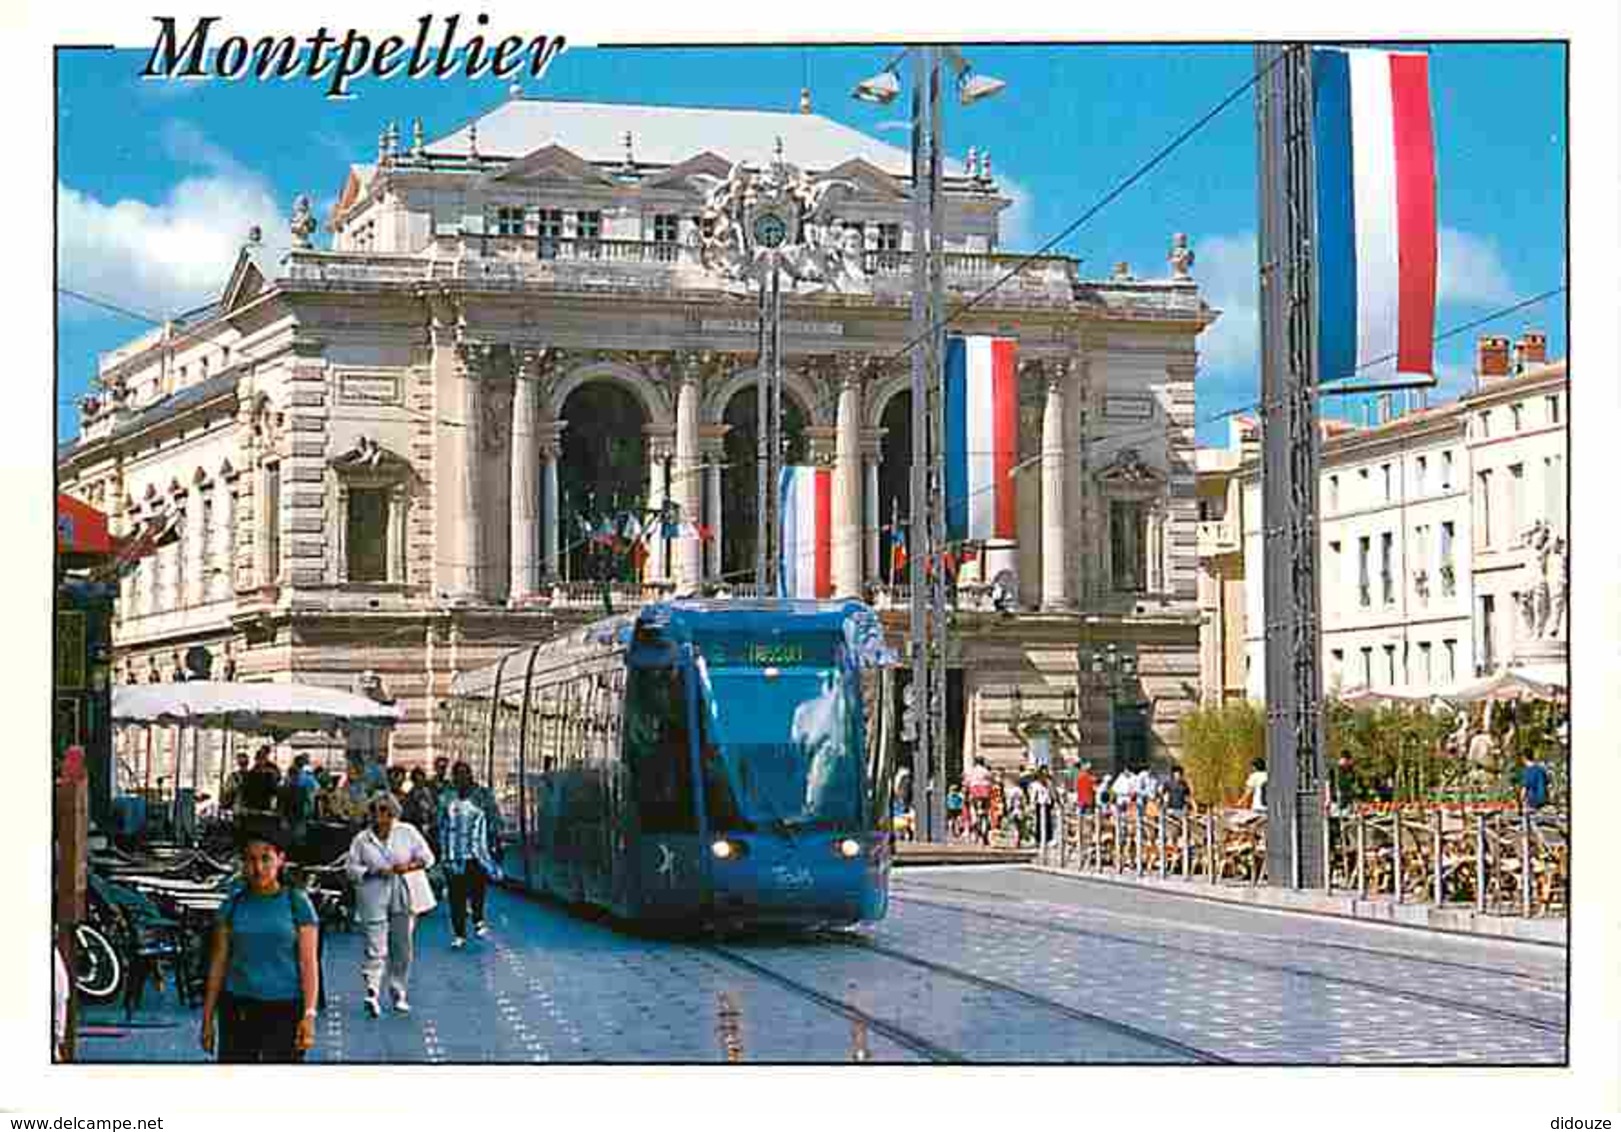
[263, 978]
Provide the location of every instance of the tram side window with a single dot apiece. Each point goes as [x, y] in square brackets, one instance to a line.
[656, 748]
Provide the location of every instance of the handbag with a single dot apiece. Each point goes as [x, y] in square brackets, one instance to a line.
[420, 892]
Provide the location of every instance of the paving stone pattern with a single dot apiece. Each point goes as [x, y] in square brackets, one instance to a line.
[977, 965]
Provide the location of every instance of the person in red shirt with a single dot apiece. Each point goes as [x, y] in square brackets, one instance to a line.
[1086, 789]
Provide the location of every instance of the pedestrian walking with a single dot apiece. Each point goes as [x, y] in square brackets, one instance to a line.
[381, 859]
[468, 863]
[1256, 785]
[1041, 804]
[482, 796]
[1176, 792]
[264, 976]
[954, 810]
[1533, 782]
[421, 808]
[1086, 790]
[1013, 803]
[978, 780]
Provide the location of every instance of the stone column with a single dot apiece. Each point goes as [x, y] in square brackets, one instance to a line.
[525, 573]
[1156, 549]
[1054, 568]
[870, 458]
[659, 451]
[227, 537]
[551, 444]
[847, 480]
[685, 484]
[714, 455]
[462, 512]
[197, 538]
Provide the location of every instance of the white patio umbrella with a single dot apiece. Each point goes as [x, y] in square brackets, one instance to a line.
[274, 708]
[1510, 684]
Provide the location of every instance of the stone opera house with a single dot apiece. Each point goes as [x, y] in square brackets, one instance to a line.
[381, 461]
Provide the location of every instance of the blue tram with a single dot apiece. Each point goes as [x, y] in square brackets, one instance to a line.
[694, 762]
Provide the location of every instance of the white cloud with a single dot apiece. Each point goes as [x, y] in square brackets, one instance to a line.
[1470, 270]
[1225, 269]
[1017, 224]
[174, 255]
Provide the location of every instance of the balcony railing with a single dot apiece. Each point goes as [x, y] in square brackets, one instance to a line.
[659, 265]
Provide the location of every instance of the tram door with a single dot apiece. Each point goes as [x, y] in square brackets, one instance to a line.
[879, 694]
[667, 866]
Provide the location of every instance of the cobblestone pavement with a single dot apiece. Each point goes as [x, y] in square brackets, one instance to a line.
[972, 964]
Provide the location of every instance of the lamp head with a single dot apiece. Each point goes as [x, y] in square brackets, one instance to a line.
[971, 88]
[880, 88]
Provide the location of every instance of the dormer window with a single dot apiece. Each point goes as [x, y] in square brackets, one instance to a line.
[509, 220]
[550, 232]
[666, 235]
[588, 230]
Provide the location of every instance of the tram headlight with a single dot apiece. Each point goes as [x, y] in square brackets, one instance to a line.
[725, 850]
[849, 847]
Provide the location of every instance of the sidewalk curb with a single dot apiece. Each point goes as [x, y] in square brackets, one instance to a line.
[1549, 932]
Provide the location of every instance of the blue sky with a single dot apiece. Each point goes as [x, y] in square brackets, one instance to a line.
[158, 181]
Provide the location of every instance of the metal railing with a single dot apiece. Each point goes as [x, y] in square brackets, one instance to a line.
[1404, 854]
[588, 594]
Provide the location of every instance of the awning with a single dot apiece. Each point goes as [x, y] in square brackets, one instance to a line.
[1364, 697]
[80, 528]
[275, 708]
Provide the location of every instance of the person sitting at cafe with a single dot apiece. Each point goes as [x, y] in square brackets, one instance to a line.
[233, 784]
[261, 783]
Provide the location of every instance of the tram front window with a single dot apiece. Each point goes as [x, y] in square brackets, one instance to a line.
[782, 740]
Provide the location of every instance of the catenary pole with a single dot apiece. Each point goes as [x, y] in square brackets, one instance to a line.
[1290, 459]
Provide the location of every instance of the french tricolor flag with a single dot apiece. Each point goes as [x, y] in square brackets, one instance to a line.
[805, 569]
[982, 436]
[1376, 232]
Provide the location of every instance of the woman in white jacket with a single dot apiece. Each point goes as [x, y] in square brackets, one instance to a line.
[380, 858]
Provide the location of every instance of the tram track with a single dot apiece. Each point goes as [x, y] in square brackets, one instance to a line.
[935, 1051]
[907, 1039]
[1124, 1029]
[1442, 1001]
[1317, 944]
[1327, 945]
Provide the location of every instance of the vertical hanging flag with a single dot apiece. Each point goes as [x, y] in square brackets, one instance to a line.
[1376, 229]
[805, 569]
[981, 436]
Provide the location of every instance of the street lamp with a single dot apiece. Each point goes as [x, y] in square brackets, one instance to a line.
[1113, 670]
[928, 608]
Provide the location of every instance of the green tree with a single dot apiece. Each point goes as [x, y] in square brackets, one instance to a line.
[1218, 746]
